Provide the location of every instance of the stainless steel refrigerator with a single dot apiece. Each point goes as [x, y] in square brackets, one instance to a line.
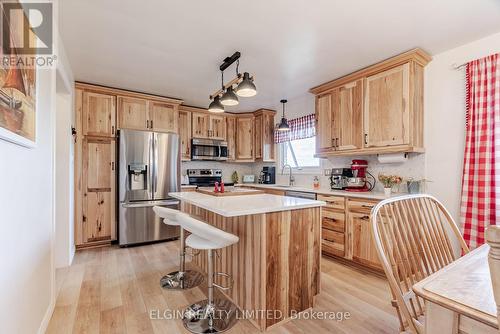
[149, 169]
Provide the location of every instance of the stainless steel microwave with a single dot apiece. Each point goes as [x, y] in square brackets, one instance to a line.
[208, 149]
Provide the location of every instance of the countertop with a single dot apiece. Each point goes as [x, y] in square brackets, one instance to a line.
[369, 194]
[232, 206]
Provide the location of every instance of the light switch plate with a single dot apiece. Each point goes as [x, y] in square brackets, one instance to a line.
[327, 172]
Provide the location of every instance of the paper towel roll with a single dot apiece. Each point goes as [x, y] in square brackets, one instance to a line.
[392, 158]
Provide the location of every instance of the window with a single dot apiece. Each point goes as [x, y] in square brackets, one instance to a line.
[300, 155]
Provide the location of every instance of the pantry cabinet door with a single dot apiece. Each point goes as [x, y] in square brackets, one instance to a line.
[133, 113]
[363, 247]
[99, 196]
[217, 129]
[245, 139]
[185, 134]
[200, 125]
[325, 126]
[164, 117]
[231, 137]
[386, 110]
[348, 113]
[99, 115]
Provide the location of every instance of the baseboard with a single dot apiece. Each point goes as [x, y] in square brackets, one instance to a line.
[48, 315]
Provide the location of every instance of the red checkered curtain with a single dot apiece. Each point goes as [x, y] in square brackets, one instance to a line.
[300, 128]
[481, 174]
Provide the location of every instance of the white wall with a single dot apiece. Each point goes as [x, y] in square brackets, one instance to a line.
[445, 119]
[64, 239]
[26, 218]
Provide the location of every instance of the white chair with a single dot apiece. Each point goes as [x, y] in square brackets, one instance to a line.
[210, 315]
[181, 279]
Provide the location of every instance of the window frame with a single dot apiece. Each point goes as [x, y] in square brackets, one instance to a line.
[296, 170]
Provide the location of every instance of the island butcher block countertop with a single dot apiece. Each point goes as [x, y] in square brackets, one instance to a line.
[233, 206]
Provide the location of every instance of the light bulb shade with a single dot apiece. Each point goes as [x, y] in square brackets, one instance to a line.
[229, 98]
[246, 88]
[283, 126]
[216, 106]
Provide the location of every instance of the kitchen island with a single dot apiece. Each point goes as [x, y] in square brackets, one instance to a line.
[276, 263]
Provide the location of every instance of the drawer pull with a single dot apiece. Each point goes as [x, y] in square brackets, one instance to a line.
[367, 206]
[365, 218]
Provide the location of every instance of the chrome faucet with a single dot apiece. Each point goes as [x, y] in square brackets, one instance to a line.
[291, 180]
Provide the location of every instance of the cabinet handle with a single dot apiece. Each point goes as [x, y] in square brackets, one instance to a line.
[336, 142]
[147, 124]
[366, 138]
[112, 129]
[151, 123]
[367, 206]
[112, 165]
[365, 218]
[333, 142]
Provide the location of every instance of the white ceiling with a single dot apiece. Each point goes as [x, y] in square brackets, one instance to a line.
[174, 48]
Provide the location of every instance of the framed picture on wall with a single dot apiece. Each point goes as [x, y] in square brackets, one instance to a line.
[18, 120]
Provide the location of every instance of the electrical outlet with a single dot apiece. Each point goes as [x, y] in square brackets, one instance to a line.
[327, 172]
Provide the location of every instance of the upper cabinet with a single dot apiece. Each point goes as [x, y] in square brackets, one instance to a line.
[148, 115]
[99, 114]
[378, 109]
[185, 117]
[231, 137]
[133, 113]
[245, 138]
[265, 148]
[387, 109]
[206, 125]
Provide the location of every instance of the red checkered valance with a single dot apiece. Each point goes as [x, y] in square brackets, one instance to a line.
[300, 128]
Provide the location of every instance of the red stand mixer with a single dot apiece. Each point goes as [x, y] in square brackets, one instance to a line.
[359, 182]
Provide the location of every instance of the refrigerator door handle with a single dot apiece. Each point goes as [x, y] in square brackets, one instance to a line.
[155, 164]
[149, 204]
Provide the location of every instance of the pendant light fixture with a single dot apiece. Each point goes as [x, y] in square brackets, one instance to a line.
[226, 95]
[229, 98]
[283, 126]
[246, 88]
[215, 106]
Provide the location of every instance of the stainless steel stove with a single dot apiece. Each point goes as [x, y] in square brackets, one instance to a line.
[204, 177]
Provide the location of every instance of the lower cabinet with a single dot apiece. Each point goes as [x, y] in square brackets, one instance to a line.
[346, 230]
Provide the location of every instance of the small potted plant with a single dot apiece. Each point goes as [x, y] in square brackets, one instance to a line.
[389, 181]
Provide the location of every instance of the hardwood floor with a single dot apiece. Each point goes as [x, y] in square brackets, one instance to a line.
[113, 290]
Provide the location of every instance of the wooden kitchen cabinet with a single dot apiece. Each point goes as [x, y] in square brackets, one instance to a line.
[147, 115]
[245, 138]
[376, 110]
[133, 113]
[217, 127]
[348, 117]
[324, 121]
[99, 191]
[209, 126]
[185, 134]
[264, 146]
[363, 247]
[387, 109]
[163, 117]
[99, 114]
[231, 137]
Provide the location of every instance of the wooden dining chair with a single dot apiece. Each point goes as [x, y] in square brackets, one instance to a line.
[413, 237]
[492, 235]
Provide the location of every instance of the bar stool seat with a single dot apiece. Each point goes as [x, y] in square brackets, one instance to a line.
[209, 315]
[180, 279]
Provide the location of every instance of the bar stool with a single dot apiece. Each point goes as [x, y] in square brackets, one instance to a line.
[181, 279]
[209, 315]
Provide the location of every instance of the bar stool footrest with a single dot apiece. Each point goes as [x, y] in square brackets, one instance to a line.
[178, 280]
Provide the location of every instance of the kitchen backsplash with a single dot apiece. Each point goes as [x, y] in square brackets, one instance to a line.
[412, 168]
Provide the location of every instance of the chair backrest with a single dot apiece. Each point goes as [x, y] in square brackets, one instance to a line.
[208, 232]
[412, 238]
[492, 234]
